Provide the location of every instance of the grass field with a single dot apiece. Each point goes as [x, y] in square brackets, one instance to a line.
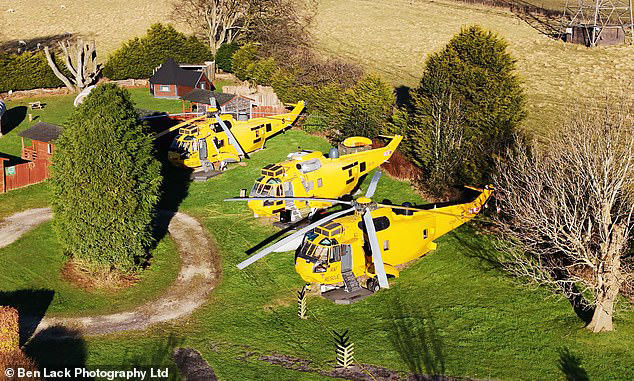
[35, 263]
[107, 22]
[452, 312]
[394, 37]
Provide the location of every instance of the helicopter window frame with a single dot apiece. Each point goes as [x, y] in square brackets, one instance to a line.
[362, 166]
[425, 233]
[386, 245]
[335, 254]
[320, 183]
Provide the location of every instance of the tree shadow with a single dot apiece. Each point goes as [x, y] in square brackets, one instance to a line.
[570, 366]
[404, 96]
[57, 348]
[35, 43]
[31, 306]
[159, 355]
[12, 118]
[415, 337]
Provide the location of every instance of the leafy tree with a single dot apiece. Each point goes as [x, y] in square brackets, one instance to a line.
[365, 109]
[105, 183]
[472, 81]
[138, 57]
[224, 56]
[244, 57]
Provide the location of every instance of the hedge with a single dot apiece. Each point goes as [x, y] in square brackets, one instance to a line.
[28, 70]
[138, 57]
[9, 329]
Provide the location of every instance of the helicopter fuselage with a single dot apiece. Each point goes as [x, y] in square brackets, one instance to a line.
[202, 138]
[341, 245]
[311, 174]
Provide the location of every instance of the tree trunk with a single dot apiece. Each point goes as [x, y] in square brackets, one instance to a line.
[609, 284]
[602, 317]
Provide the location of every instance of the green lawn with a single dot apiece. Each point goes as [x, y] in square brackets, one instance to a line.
[35, 262]
[58, 109]
[451, 312]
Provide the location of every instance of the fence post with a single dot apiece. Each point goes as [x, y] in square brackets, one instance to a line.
[344, 349]
[301, 303]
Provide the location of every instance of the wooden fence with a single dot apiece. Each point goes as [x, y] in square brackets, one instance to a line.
[23, 174]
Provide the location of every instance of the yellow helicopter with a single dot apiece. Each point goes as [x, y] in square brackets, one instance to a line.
[368, 239]
[212, 140]
[311, 174]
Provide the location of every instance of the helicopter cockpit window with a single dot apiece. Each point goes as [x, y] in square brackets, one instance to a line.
[272, 187]
[184, 146]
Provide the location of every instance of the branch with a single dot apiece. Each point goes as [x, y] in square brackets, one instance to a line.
[56, 71]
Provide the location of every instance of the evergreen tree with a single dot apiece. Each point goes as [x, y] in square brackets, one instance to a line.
[366, 108]
[105, 182]
[138, 57]
[224, 56]
[472, 81]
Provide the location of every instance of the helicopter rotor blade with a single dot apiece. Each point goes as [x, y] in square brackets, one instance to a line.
[377, 257]
[232, 138]
[262, 253]
[373, 183]
[330, 200]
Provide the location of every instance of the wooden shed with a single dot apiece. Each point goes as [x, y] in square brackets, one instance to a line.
[606, 36]
[171, 80]
[200, 100]
[42, 136]
[36, 159]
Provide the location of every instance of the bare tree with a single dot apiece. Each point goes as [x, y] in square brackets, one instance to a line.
[567, 209]
[220, 21]
[84, 71]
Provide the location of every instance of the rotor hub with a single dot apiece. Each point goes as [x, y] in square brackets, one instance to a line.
[363, 203]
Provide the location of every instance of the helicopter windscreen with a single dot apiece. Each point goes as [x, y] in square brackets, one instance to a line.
[182, 146]
[269, 188]
[324, 251]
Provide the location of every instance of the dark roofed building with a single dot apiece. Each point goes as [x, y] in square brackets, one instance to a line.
[228, 103]
[42, 136]
[172, 81]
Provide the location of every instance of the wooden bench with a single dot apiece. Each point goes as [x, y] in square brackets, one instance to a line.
[36, 105]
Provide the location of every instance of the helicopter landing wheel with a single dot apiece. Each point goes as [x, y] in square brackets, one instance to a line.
[373, 285]
[223, 166]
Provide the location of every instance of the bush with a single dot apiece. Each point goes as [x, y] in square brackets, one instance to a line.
[365, 109]
[105, 183]
[28, 70]
[244, 57]
[473, 82]
[138, 57]
[9, 329]
[224, 56]
[261, 71]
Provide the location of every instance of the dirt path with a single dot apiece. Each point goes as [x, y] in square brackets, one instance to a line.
[198, 275]
[12, 227]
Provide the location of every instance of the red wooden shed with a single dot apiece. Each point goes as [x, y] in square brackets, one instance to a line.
[170, 80]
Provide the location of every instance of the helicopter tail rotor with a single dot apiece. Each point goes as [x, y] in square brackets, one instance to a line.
[377, 257]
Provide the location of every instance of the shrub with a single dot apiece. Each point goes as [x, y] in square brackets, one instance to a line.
[138, 57]
[28, 70]
[365, 109]
[242, 59]
[475, 72]
[17, 359]
[9, 329]
[224, 56]
[105, 183]
[261, 71]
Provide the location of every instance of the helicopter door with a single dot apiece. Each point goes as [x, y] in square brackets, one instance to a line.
[346, 258]
[202, 149]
